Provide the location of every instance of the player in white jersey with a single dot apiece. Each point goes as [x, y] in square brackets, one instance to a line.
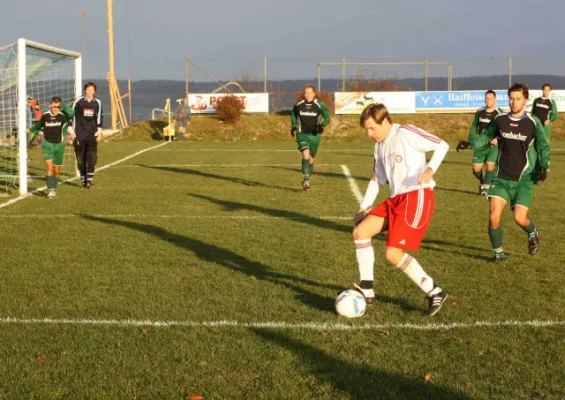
[400, 159]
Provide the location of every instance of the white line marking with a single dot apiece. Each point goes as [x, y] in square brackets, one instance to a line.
[38, 190]
[281, 325]
[367, 151]
[227, 165]
[352, 184]
[55, 216]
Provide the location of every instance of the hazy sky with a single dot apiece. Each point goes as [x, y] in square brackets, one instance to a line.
[226, 38]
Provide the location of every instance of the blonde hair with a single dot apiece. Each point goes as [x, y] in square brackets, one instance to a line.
[377, 111]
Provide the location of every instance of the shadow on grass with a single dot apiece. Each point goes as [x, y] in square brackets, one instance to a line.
[228, 259]
[239, 181]
[456, 191]
[356, 380]
[324, 174]
[274, 212]
[456, 248]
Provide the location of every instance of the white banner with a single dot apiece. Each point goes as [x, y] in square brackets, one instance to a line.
[204, 103]
[355, 102]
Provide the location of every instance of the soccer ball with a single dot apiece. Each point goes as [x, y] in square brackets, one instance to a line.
[350, 304]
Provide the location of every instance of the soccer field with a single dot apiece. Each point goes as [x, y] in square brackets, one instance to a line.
[204, 268]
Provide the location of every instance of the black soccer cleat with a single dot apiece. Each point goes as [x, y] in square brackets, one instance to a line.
[368, 294]
[435, 301]
[498, 257]
[88, 185]
[533, 244]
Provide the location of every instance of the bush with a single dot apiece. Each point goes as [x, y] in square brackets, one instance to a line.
[324, 97]
[229, 109]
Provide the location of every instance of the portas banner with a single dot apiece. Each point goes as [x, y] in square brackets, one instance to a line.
[204, 103]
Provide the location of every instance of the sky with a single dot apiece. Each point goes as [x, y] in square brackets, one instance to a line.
[226, 39]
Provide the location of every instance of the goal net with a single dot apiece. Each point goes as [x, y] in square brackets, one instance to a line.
[31, 74]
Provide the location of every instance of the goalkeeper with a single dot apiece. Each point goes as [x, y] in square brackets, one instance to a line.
[88, 131]
[183, 118]
[308, 119]
[54, 124]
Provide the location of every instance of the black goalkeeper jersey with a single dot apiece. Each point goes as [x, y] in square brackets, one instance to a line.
[88, 117]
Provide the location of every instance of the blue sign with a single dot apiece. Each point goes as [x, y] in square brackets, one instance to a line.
[468, 99]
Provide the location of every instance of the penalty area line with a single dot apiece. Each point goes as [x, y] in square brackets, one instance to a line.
[316, 326]
[41, 189]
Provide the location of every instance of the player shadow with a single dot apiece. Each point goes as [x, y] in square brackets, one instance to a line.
[457, 191]
[239, 181]
[323, 173]
[396, 301]
[355, 380]
[228, 259]
[273, 212]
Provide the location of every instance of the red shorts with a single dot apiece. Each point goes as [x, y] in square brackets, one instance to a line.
[409, 215]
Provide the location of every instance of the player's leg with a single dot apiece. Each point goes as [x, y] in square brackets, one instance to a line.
[91, 158]
[48, 156]
[479, 158]
[412, 216]
[371, 225]
[304, 148]
[498, 195]
[520, 206]
[491, 158]
[80, 152]
[314, 145]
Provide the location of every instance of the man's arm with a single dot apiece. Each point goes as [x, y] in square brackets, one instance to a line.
[325, 113]
[553, 112]
[293, 113]
[424, 141]
[67, 111]
[474, 126]
[485, 137]
[377, 180]
[542, 145]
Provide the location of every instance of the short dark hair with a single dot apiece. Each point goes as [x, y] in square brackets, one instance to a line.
[490, 91]
[309, 86]
[56, 100]
[519, 87]
[90, 84]
[546, 85]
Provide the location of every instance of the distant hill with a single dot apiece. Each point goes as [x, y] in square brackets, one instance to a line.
[148, 94]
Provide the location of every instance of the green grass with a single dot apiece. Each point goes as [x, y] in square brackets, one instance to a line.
[171, 235]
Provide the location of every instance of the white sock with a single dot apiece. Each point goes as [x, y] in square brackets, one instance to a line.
[365, 259]
[414, 270]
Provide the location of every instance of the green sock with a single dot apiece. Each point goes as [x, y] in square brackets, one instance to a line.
[305, 169]
[478, 174]
[51, 182]
[311, 168]
[488, 177]
[56, 179]
[496, 238]
[530, 229]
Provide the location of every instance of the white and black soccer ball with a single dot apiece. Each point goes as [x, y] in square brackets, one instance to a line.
[350, 304]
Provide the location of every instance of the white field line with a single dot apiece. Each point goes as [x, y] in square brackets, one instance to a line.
[164, 216]
[352, 184]
[368, 150]
[38, 190]
[228, 165]
[281, 325]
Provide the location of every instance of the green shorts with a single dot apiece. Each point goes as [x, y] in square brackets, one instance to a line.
[306, 141]
[485, 155]
[519, 193]
[54, 152]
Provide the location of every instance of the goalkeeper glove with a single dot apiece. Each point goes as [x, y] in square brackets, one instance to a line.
[542, 174]
[320, 128]
[463, 145]
[292, 131]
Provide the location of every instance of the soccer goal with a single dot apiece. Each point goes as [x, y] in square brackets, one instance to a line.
[31, 74]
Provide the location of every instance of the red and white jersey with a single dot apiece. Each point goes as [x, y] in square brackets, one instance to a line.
[401, 158]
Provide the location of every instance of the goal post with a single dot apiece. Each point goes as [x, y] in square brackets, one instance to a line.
[40, 71]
